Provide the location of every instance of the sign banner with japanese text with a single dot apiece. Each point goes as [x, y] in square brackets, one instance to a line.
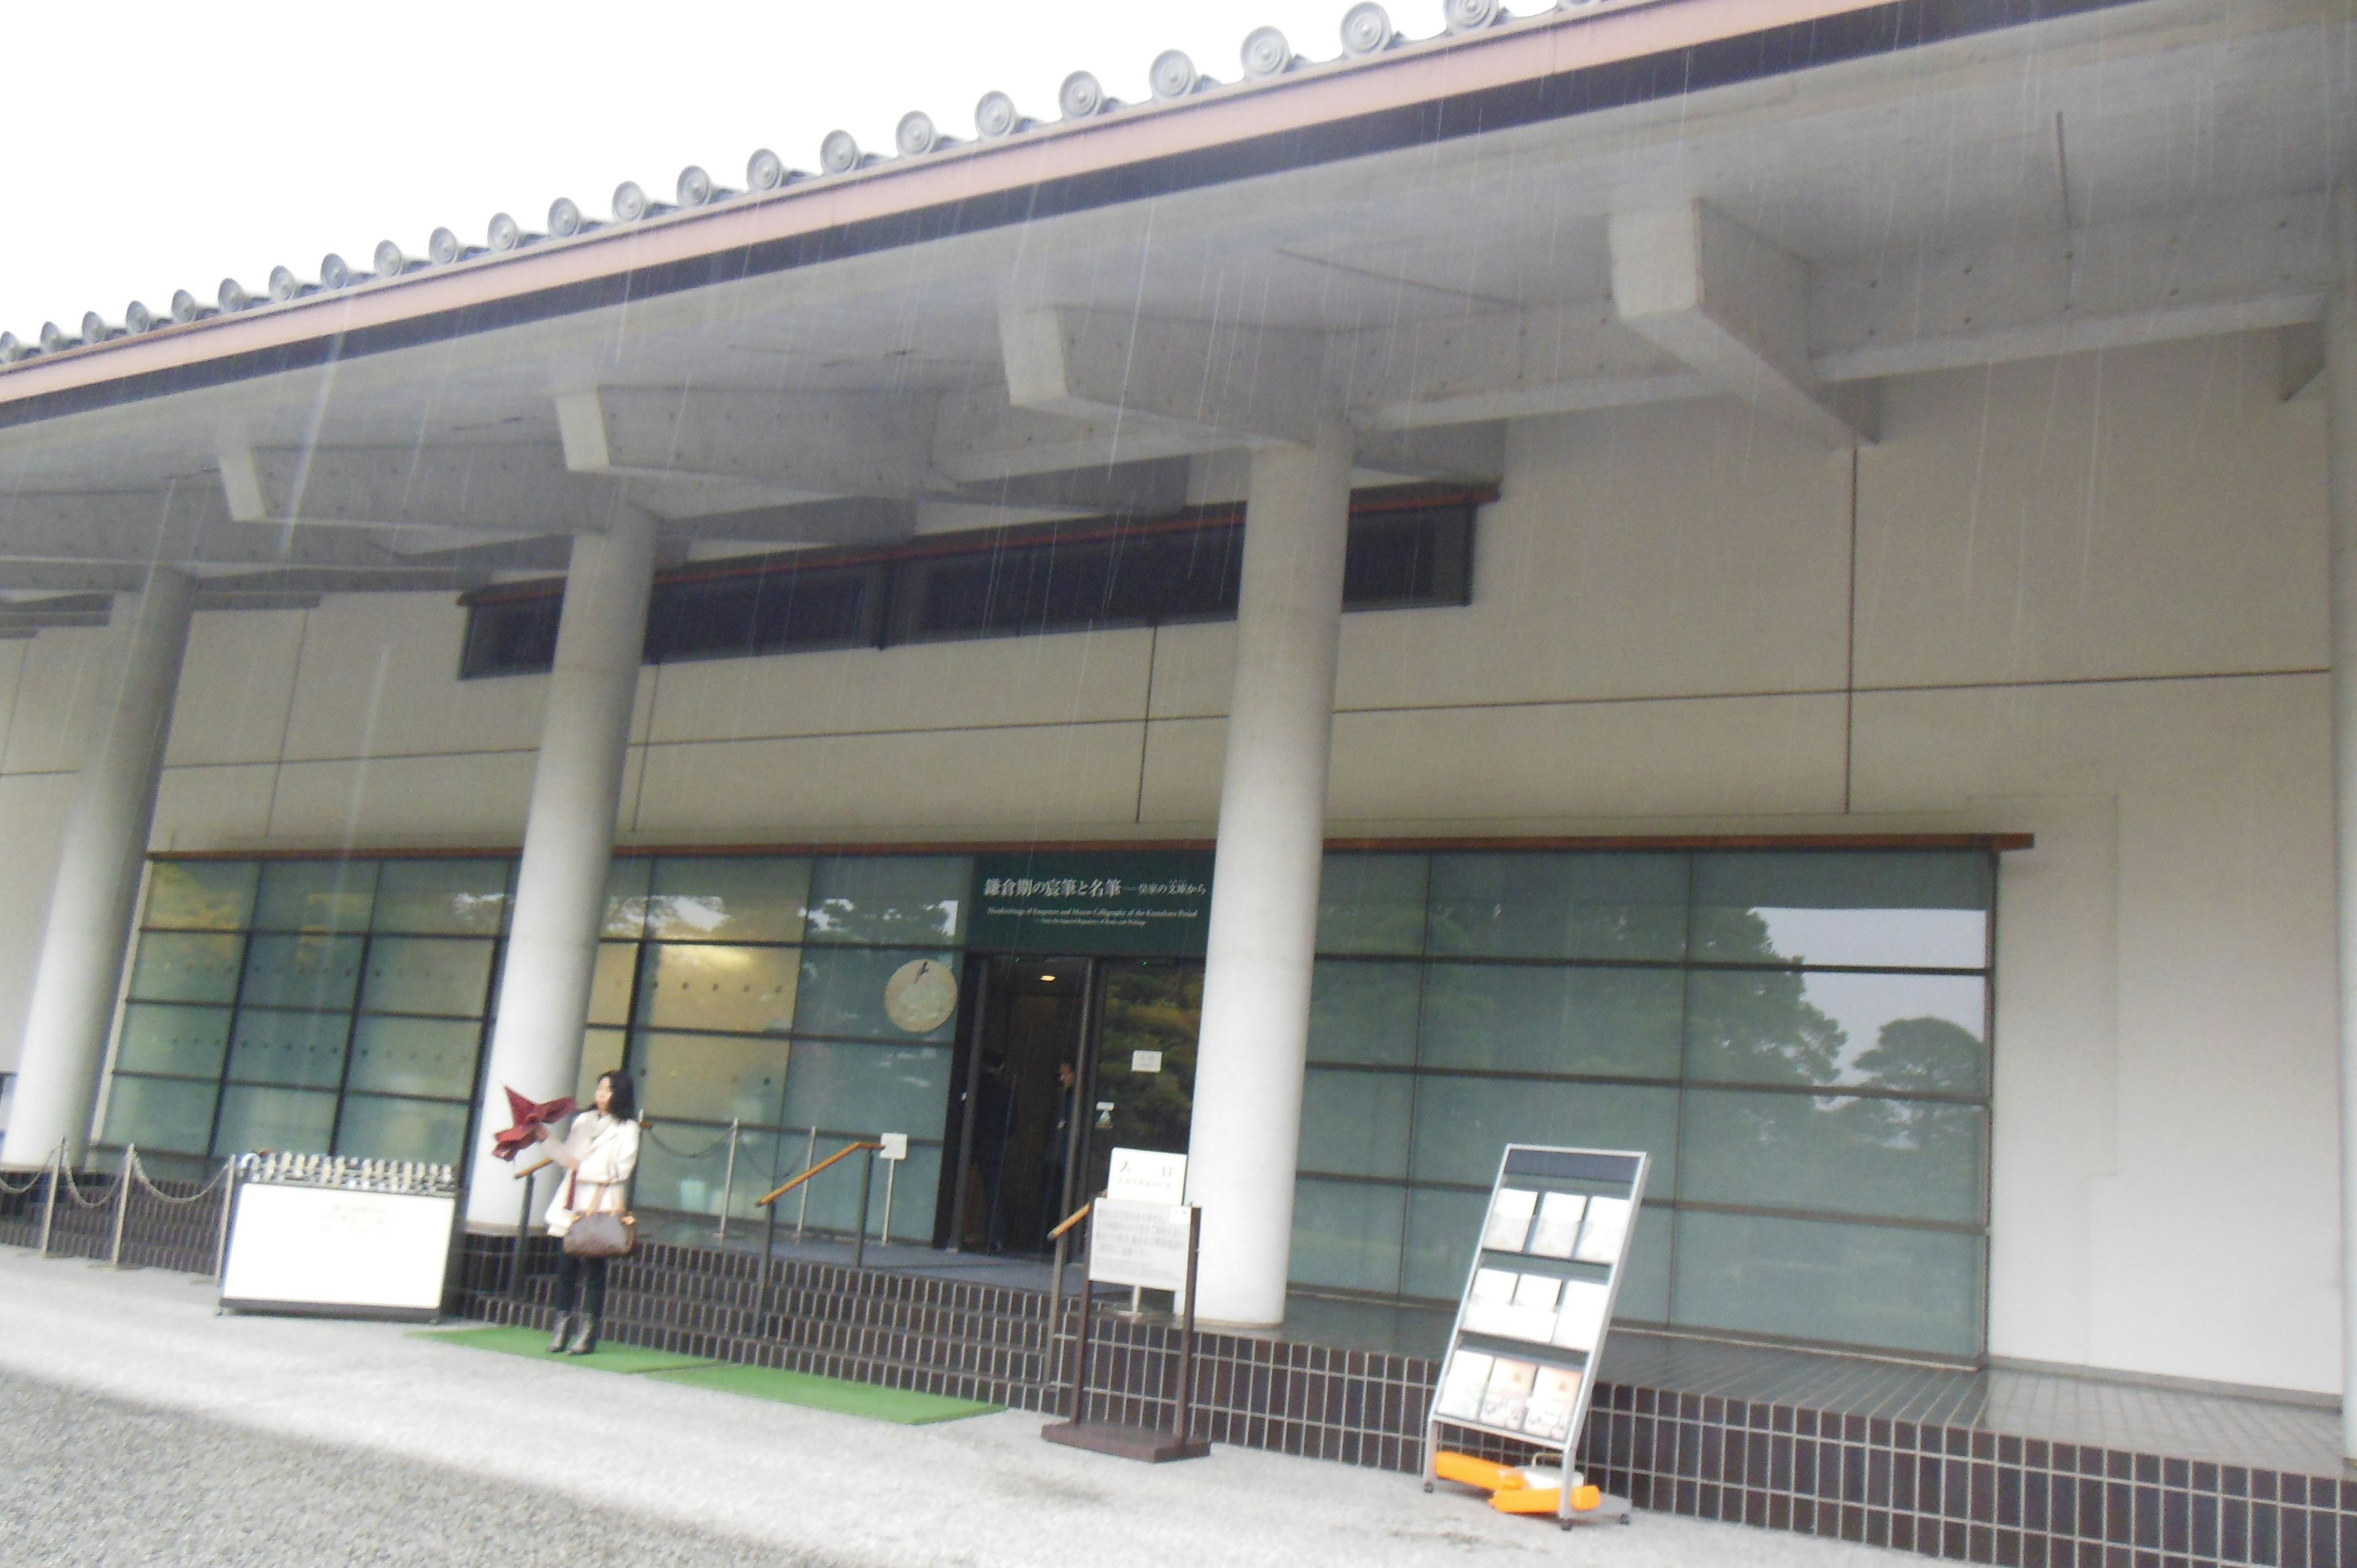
[1148, 902]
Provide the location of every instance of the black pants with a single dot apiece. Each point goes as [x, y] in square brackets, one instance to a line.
[581, 1280]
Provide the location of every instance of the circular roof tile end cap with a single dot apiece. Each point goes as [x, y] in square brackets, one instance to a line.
[1173, 75]
[630, 203]
[94, 328]
[1367, 29]
[505, 234]
[137, 317]
[390, 259]
[565, 217]
[334, 271]
[283, 284]
[1081, 96]
[693, 187]
[53, 339]
[11, 349]
[916, 134]
[1469, 16]
[764, 170]
[185, 307]
[838, 153]
[995, 115]
[232, 296]
[442, 247]
[1265, 53]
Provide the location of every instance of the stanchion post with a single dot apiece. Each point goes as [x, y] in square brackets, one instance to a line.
[229, 1201]
[49, 1204]
[1187, 1331]
[121, 1203]
[1081, 1340]
[859, 1234]
[1054, 1348]
[801, 1207]
[729, 1180]
[891, 1169]
[523, 1229]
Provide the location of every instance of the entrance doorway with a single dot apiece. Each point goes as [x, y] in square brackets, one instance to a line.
[1064, 1060]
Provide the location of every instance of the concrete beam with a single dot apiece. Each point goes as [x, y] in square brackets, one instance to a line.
[1733, 307]
[803, 445]
[1502, 364]
[1250, 385]
[513, 490]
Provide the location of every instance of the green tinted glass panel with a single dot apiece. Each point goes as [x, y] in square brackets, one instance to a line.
[1442, 1227]
[685, 1167]
[316, 974]
[442, 898]
[305, 1049]
[1843, 907]
[834, 1193]
[1645, 1284]
[316, 896]
[1597, 906]
[446, 975]
[1527, 1018]
[843, 992]
[626, 896]
[601, 1053]
[876, 899]
[377, 1128]
[283, 1121]
[1372, 904]
[707, 899]
[1364, 1012]
[163, 1114]
[1915, 1033]
[1856, 1284]
[415, 1056]
[609, 983]
[1907, 1159]
[1463, 1124]
[706, 1078]
[185, 967]
[200, 894]
[1346, 1235]
[863, 1089]
[179, 1042]
[1355, 1124]
[702, 985]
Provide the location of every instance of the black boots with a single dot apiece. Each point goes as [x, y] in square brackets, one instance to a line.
[563, 1331]
[585, 1340]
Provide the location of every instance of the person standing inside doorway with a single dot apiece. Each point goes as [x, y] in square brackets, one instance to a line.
[600, 1153]
[1055, 1155]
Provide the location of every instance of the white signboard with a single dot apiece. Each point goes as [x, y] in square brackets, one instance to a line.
[1135, 1243]
[1142, 1175]
[896, 1145]
[327, 1248]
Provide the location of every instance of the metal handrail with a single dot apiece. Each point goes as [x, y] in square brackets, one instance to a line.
[797, 1181]
[1074, 1218]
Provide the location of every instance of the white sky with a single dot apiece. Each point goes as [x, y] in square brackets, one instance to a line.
[149, 146]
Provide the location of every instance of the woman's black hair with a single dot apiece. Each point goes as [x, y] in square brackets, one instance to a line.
[625, 1106]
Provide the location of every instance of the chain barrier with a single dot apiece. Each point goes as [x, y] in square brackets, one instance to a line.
[139, 1174]
[656, 1139]
[32, 1181]
[105, 1196]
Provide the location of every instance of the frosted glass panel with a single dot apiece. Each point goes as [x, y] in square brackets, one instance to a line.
[1622, 1022]
[416, 1055]
[835, 1194]
[316, 896]
[375, 1128]
[1372, 904]
[1463, 1124]
[686, 1168]
[1355, 1124]
[442, 898]
[283, 1121]
[1599, 906]
[601, 1053]
[1441, 1229]
[712, 899]
[745, 991]
[1921, 1033]
[182, 1042]
[864, 1090]
[609, 983]
[200, 894]
[300, 1048]
[1365, 1012]
[451, 976]
[908, 898]
[843, 992]
[1645, 1283]
[1346, 1235]
[1907, 1159]
[1916, 910]
[626, 896]
[173, 967]
[316, 973]
[705, 1078]
[1860, 1285]
[162, 1114]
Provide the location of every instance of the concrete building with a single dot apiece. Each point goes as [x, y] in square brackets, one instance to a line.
[1769, 580]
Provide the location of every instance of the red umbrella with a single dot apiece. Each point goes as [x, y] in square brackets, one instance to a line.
[529, 1118]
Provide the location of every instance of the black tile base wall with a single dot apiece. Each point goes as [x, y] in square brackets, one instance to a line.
[1954, 1492]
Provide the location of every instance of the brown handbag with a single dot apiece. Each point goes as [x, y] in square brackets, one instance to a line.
[601, 1234]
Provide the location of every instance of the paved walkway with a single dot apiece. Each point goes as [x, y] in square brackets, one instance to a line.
[289, 1440]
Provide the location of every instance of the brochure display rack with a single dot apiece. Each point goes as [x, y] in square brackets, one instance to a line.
[1531, 1327]
[308, 1234]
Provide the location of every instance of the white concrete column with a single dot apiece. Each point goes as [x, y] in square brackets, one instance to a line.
[2340, 481]
[567, 839]
[1264, 927]
[105, 850]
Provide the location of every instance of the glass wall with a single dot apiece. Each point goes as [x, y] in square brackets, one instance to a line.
[1799, 1039]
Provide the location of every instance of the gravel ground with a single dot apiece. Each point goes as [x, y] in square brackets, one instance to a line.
[89, 1480]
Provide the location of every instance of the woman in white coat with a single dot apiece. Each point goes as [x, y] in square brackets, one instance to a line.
[600, 1151]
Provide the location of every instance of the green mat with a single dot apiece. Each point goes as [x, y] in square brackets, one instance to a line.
[533, 1343]
[906, 1407]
